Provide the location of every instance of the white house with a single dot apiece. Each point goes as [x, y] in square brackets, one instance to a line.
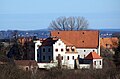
[85, 41]
[71, 46]
[67, 51]
[51, 48]
[94, 59]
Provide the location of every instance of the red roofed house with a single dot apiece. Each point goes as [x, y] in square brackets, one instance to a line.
[94, 59]
[70, 45]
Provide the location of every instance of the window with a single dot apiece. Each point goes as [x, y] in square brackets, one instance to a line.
[94, 62]
[43, 49]
[56, 50]
[61, 50]
[67, 57]
[48, 49]
[93, 50]
[73, 49]
[73, 57]
[67, 50]
[58, 32]
[59, 44]
[49, 58]
[43, 57]
[100, 62]
[83, 33]
[106, 44]
[83, 41]
[84, 50]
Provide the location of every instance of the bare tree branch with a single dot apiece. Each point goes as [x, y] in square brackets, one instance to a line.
[70, 23]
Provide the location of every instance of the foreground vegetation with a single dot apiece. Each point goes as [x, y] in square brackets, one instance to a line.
[11, 72]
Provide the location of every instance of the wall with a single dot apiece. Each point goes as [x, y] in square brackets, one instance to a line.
[46, 54]
[83, 52]
[84, 66]
[97, 66]
[37, 44]
[58, 45]
[71, 61]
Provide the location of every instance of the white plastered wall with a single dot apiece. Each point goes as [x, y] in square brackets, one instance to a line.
[37, 44]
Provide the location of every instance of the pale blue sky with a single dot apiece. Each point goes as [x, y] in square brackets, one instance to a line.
[37, 14]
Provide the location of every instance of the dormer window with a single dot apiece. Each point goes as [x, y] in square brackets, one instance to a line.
[73, 49]
[67, 50]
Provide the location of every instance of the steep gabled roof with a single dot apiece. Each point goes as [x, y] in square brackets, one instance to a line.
[81, 39]
[93, 55]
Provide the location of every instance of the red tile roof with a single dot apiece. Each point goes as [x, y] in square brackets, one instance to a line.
[81, 39]
[67, 43]
[93, 55]
[111, 41]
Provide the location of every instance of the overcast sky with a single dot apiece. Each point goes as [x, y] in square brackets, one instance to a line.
[37, 14]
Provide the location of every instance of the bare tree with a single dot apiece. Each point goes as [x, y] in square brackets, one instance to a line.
[70, 23]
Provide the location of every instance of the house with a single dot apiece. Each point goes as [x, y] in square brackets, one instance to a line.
[109, 42]
[94, 59]
[26, 65]
[69, 46]
[85, 41]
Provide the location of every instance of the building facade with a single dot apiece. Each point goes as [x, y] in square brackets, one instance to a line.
[70, 46]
